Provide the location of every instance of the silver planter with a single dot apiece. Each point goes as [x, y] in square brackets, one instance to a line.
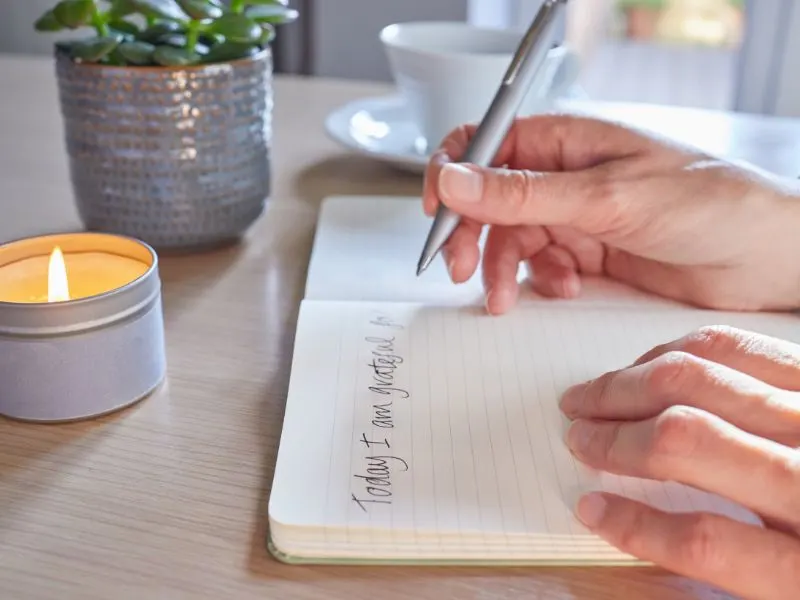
[176, 157]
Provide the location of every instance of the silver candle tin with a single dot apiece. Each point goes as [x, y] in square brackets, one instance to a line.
[87, 357]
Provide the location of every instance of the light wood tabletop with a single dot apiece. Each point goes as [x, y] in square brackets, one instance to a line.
[168, 499]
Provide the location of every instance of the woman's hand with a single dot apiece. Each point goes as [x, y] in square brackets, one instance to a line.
[718, 410]
[585, 196]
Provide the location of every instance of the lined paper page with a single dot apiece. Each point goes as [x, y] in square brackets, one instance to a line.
[420, 424]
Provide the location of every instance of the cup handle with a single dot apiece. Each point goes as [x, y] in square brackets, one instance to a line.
[566, 75]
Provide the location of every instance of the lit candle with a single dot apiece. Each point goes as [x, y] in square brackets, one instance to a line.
[81, 327]
[62, 276]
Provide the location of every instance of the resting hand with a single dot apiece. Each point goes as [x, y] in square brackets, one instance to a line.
[718, 410]
[582, 196]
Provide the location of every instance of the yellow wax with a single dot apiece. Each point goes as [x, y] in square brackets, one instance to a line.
[88, 274]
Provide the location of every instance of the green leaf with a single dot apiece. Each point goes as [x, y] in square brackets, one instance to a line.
[93, 49]
[272, 14]
[74, 13]
[165, 9]
[269, 2]
[48, 22]
[210, 39]
[169, 56]
[114, 58]
[160, 28]
[65, 46]
[126, 37]
[123, 26]
[200, 9]
[237, 28]
[137, 53]
[228, 51]
[176, 40]
[121, 8]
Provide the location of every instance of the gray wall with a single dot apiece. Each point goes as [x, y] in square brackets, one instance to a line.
[16, 27]
[769, 63]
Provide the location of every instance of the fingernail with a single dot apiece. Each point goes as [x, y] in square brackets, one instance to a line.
[579, 436]
[499, 300]
[570, 287]
[591, 509]
[451, 265]
[571, 399]
[460, 183]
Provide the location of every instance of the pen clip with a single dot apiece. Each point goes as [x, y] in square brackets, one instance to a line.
[513, 70]
[528, 40]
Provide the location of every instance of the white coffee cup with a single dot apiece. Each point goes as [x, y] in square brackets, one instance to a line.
[448, 73]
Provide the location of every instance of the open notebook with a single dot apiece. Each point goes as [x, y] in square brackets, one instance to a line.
[420, 429]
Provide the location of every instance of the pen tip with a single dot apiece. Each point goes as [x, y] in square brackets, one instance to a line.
[424, 261]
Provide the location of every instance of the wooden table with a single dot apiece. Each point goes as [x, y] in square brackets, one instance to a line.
[168, 499]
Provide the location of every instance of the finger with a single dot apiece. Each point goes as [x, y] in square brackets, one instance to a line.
[562, 142]
[748, 561]
[770, 359]
[505, 248]
[698, 449]
[452, 149]
[430, 198]
[554, 273]
[462, 252]
[588, 252]
[572, 143]
[585, 200]
[678, 378]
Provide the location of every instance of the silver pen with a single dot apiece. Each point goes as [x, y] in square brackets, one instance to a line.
[491, 132]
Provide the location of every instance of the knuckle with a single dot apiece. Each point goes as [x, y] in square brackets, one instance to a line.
[712, 340]
[673, 372]
[677, 432]
[452, 146]
[611, 208]
[699, 543]
[600, 393]
[516, 188]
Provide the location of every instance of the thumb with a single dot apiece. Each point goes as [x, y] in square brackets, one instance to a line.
[579, 199]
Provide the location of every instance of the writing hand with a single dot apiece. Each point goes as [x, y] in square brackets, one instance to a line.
[583, 196]
[718, 410]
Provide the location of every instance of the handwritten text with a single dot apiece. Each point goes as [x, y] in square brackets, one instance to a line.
[376, 477]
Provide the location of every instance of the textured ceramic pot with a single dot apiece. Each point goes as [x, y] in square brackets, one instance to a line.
[178, 157]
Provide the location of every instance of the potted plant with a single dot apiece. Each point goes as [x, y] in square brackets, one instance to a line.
[167, 113]
[641, 17]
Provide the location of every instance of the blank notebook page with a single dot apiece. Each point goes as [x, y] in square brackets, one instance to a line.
[366, 248]
[432, 427]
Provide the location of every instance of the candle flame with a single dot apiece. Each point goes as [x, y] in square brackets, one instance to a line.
[57, 282]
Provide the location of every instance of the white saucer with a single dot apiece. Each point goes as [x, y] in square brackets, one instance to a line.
[380, 128]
